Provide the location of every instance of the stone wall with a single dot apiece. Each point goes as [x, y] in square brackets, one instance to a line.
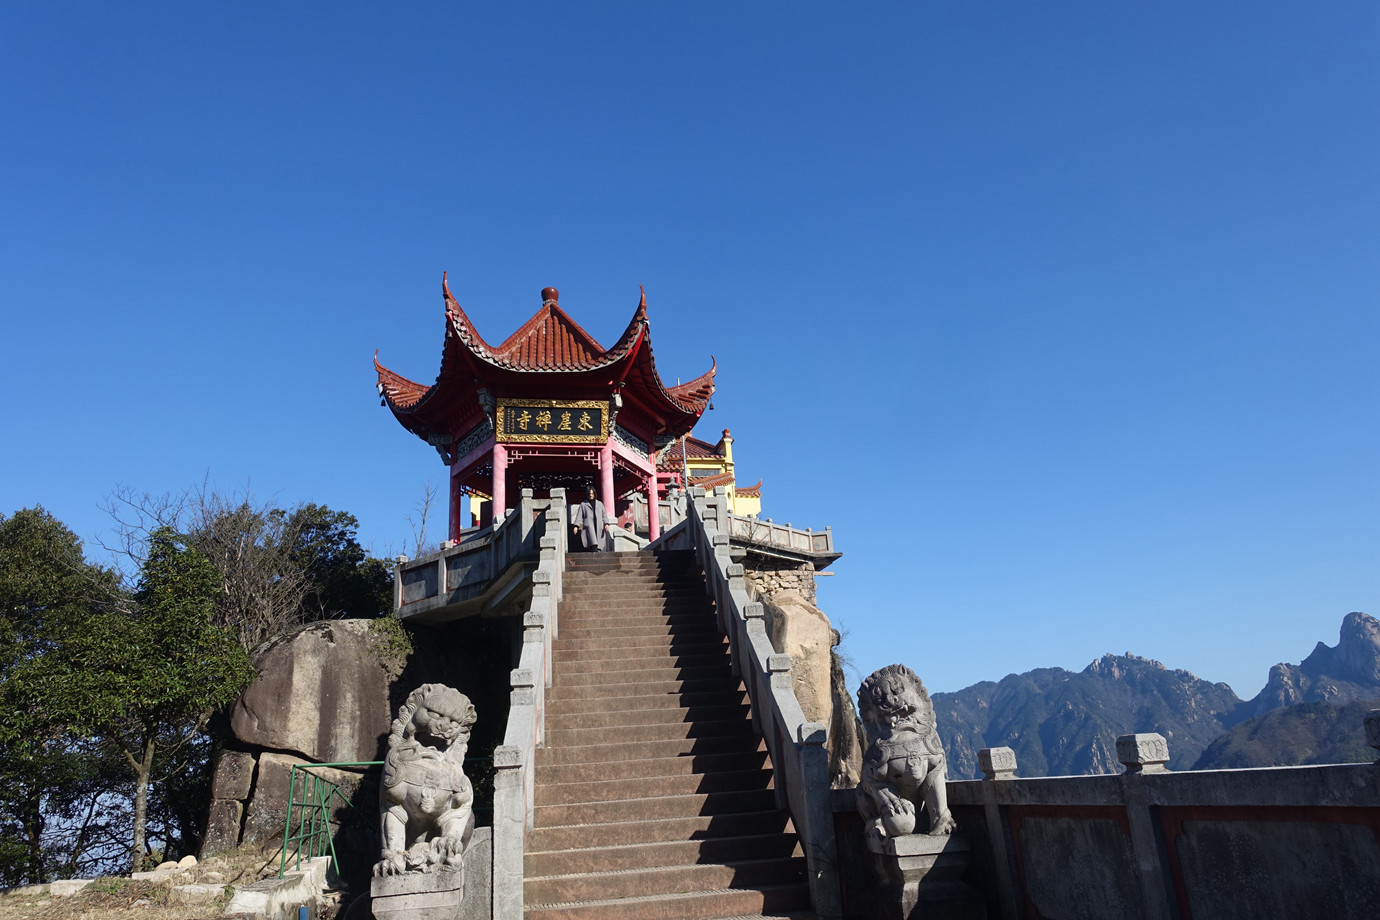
[1297, 842]
[774, 576]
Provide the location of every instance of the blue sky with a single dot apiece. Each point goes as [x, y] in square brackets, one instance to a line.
[1062, 315]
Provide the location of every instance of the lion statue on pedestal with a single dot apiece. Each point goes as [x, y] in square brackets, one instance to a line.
[425, 800]
[904, 766]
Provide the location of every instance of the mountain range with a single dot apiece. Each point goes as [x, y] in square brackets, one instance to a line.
[1063, 722]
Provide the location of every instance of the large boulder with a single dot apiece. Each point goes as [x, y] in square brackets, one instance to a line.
[798, 628]
[322, 692]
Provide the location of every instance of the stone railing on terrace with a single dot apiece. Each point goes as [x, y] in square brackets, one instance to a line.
[477, 572]
[515, 760]
[799, 751]
[1296, 842]
[764, 533]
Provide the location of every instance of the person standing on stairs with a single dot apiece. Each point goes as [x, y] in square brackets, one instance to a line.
[591, 524]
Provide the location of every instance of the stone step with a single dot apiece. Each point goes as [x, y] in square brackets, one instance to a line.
[696, 827]
[653, 639]
[653, 766]
[634, 577]
[716, 850]
[601, 562]
[628, 718]
[556, 889]
[616, 752]
[612, 627]
[670, 806]
[652, 787]
[664, 700]
[640, 662]
[577, 678]
[774, 902]
[669, 647]
[580, 608]
[575, 737]
[637, 577]
[590, 587]
[650, 688]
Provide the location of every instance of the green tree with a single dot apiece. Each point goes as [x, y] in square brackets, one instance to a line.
[47, 590]
[343, 580]
[147, 676]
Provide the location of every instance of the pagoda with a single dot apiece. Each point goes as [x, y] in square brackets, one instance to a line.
[549, 407]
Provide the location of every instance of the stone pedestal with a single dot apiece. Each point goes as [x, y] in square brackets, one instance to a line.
[921, 879]
[419, 896]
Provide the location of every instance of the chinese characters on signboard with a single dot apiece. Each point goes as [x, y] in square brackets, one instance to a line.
[573, 421]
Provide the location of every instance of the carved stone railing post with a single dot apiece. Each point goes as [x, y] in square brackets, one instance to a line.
[398, 582]
[510, 832]
[1144, 756]
[1143, 753]
[525, 507]
[997, 763]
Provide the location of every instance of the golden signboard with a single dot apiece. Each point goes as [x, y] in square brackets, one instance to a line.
[552, 421]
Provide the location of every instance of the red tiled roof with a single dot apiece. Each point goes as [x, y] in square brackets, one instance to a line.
[695, 449]
[749, 491]
[397, 389]
[550, 342]
[712, 482]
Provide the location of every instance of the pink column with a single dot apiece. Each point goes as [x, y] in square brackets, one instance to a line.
[500, 482]
[653, 509]
[606, 478]
[457, 501]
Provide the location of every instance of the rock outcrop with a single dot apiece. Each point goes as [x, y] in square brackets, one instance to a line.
[322, 693]
[798, 628]
[1350, 670]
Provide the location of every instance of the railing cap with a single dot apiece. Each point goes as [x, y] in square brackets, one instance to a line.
[1147, 752]
[507, 756]
[997, 763]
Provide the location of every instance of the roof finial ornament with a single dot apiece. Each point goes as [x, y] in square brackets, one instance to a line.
[549, 296]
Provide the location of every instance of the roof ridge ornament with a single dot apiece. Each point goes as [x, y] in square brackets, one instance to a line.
[550, 297]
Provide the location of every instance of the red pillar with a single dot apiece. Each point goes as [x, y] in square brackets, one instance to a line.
[653, 508]
[457, 500]
[500, 482]
[606, 479]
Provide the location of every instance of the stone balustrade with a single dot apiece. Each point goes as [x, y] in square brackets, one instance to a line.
[798, 747]
[515, 759]
[1298, 842]
[466, 575]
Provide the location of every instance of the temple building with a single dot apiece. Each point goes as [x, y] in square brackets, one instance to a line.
[550, 407]
[711, 466]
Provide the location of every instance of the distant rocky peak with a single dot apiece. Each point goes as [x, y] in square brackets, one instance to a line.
[1117, 666]
[1349, 670]
[1358, 650]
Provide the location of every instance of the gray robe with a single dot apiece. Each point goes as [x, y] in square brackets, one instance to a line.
[591, 519]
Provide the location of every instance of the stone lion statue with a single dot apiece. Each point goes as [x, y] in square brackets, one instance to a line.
[425, 800]
[903, 767]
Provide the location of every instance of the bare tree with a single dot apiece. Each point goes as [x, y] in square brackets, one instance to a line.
[248, 542]
[418, 522]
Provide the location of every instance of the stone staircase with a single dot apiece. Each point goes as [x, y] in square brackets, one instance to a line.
[654, 797]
